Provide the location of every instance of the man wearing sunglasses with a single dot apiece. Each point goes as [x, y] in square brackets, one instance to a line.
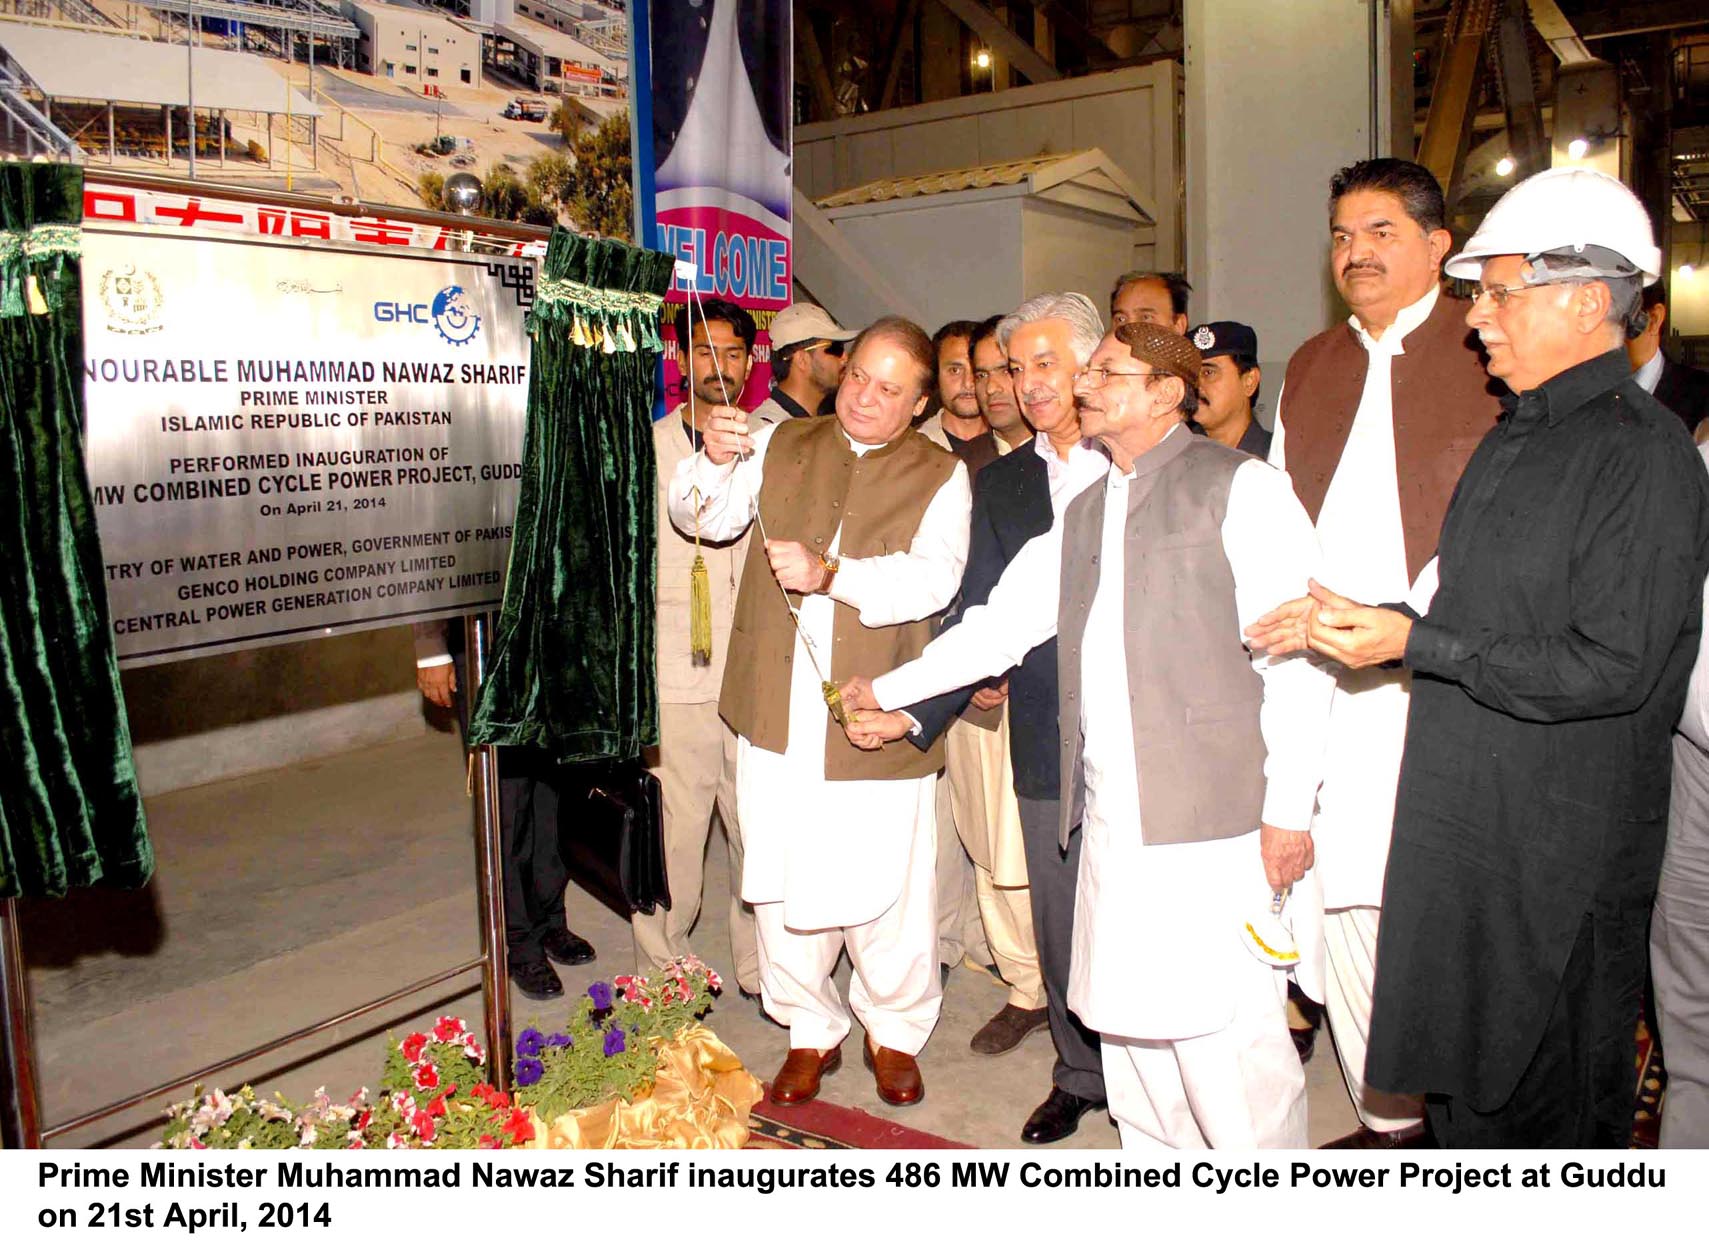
[806, 363]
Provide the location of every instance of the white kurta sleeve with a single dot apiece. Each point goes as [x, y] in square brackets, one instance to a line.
[1272, 549]
[726, 497]
[902, 587]
[990, 638]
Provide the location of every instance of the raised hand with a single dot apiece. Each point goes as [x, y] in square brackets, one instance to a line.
[726, 433]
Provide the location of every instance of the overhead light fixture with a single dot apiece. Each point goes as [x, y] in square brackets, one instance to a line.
[1504, 167]
[1578, 148]
[1687, 271]
[982, 59]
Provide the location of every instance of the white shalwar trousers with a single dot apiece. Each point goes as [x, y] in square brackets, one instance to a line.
[894, 990]
[1239, 1087]
[1350, 943]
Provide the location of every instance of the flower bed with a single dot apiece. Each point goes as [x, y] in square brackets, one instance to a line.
[633, 1066]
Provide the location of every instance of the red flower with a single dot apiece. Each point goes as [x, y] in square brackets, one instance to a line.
[362, 1119]
[449, 1029]
[437, 1107]
[498, 1099]
[413, 1046]
[520, 1127]
[472, 1048]
[487, 1140]
[426, 1076]
[424, 1127]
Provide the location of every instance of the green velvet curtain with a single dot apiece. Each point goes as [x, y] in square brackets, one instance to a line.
[70, 812]
[571, 671]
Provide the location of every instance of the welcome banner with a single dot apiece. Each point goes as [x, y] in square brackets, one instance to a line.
[713, 84]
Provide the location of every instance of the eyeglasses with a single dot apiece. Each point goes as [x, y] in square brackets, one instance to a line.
[1502, 293]
[1095, 377]
[833, 347]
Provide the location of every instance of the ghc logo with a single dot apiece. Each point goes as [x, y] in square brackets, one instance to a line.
[451, 314]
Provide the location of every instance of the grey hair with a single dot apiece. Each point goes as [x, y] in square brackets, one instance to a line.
[1626, 309]
[1086, 325]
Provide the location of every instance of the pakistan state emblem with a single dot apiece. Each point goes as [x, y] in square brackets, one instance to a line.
[132, 299]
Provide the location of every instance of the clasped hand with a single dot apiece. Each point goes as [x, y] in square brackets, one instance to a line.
[867, 727]
[1349, 632]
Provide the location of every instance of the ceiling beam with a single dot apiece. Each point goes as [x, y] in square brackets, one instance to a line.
[1448, 126]
[813, 60]
[901, 39]
[1021, 55]
[1099, 55]
[1609, 21]
[1530, 152]
[1558, 32]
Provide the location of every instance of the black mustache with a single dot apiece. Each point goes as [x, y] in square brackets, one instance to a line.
[1370, 266]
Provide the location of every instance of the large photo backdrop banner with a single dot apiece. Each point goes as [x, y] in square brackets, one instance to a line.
[714, 157]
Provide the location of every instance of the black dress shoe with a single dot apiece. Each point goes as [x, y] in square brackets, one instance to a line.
[1411, 1138]
[536, 979]
[567, 948]
[1057, 1117]
[1305, 1017]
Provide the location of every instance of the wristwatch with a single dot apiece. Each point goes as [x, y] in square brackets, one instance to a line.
[829, 563]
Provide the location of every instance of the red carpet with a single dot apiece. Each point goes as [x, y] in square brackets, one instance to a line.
[818, 1126]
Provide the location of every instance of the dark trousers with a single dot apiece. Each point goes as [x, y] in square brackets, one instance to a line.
[534, 873]
[1579, 1089]
[1051, 877]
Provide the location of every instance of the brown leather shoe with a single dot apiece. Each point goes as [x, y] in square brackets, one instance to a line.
[898, 1076]
[798, 1079]
[1008, 1029]
[1412, 1138]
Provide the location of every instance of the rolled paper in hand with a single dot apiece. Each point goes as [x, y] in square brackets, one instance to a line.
[834, 700]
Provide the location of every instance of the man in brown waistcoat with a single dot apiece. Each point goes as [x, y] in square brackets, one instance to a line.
[1376, 421]
[866, 526]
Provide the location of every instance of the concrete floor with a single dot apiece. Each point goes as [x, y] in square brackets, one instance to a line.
[287, 896]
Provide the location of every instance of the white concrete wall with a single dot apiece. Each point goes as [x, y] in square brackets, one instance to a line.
[1131, 114]
[949, 261]
[1277, 101]
[1064, 248]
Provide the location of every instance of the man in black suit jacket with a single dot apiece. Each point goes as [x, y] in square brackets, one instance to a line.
[1682, 389]
[1015, 499]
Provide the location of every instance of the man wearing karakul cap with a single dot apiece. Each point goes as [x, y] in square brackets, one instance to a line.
[1196, 777]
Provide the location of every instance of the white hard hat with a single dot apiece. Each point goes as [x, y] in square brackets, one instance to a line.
[1566, 210]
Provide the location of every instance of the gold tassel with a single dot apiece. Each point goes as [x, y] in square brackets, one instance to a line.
[699, 611]
[33, 296]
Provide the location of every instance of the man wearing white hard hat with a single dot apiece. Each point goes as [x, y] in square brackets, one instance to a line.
[807, 349]
[1547, 678]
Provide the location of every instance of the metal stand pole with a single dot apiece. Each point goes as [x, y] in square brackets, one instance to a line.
[20, 1111]
[489, 864]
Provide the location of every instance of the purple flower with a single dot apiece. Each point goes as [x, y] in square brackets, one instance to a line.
[530, 1042]
[560, 1040]
[600, 993]
[614, 1041]
[529, 1070]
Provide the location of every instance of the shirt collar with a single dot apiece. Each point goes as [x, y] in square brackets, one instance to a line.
[789, 405]
[1044, 449]
[1556, 397]
[1650, 373]
[1409, 320]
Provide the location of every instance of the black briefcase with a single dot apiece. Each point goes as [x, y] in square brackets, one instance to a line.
[611, 833]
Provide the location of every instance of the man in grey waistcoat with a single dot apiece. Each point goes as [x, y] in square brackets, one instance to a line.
[1195, 779]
